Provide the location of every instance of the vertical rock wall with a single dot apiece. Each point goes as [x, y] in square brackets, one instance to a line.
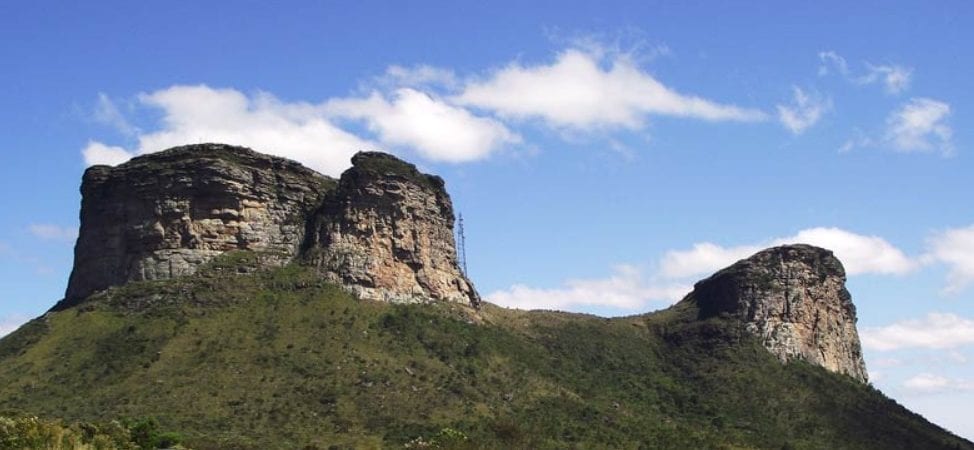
[387, 234]
[793, 298]
[162, 215]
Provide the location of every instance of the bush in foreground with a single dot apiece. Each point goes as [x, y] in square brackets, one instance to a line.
[22, 433]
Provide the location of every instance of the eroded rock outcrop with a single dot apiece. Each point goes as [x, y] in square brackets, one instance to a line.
[163, 215]
[793, 298]
[387, 234]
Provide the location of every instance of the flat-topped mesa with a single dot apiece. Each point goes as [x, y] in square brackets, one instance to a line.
[793, 298]
[164, 214]
[386, 234]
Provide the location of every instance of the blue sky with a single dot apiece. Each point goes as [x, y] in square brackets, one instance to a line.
[605, 155]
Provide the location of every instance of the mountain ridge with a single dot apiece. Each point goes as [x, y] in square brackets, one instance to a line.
[363, 333]
[281, 358]
[383, 230]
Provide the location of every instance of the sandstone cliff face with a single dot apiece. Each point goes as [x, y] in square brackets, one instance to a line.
[164, 214]
[793, 298]
[387, 234]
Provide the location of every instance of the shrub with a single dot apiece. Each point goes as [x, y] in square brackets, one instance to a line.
[29, 432]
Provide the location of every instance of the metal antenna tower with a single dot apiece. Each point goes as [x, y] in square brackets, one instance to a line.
[461, 245]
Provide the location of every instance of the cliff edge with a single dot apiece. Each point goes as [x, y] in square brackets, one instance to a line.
[384, 231]
[387, 232]
[163, 215]
[793, 298]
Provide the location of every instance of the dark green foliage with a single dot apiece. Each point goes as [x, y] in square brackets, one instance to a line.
[145, 433]
[376, 165]
[28, 433]
[281, 359]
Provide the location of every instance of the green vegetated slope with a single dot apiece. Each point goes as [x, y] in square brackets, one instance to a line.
[281, 359]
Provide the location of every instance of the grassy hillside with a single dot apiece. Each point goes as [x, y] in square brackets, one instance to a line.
[281, 359]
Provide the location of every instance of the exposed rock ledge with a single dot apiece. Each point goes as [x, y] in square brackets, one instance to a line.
[385, 231]
[793, 298]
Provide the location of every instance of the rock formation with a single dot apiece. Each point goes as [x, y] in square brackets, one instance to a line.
[793, 298]
[163, 215]
[385, 233]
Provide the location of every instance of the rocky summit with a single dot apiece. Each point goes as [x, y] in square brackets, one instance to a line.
[384, 230]
[162, 215]
[793, 299]
[387, 234]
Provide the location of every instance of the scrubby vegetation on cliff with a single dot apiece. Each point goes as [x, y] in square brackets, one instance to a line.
[282, 359]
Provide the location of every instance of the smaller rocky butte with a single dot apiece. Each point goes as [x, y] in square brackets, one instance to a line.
[384, 230]
[386, 233]
[793, 299]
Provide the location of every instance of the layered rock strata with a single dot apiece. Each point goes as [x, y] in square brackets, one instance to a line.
[794, 300]
[385, 232]
[163, 215]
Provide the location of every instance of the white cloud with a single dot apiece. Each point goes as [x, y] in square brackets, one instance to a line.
[919, 126]
[51, 232]
[804, 111]
[423, 109]
[886, 362]
[925, 357]
[831, 60]
[97, 153]
[193, 114]
[935, 331]
[576, 91]
[295, 130]
[629, 44]
[418, 76]
[627, 288]
[439, 131]
[956, 357]
[859, 254]
[10, 323]
[931, 383]
[703, 258]
[106, 112]
[895, 79]
[858, 140]
[955, 248]
[306, 132]
[926, 382]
